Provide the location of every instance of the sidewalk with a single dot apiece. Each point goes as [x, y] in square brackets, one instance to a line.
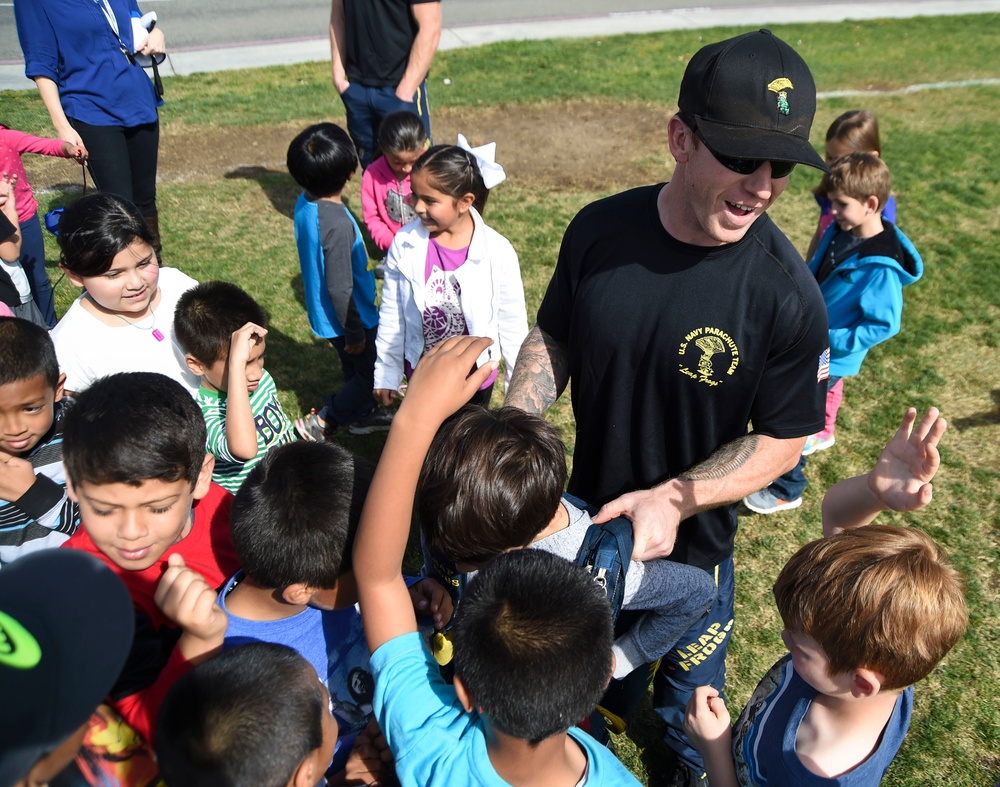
[236, 56]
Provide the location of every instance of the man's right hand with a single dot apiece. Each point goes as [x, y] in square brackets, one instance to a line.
[655, 515]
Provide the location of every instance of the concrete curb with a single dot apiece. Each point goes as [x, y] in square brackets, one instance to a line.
[269, 53]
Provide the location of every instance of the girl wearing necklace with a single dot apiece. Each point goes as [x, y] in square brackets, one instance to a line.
[123, 320]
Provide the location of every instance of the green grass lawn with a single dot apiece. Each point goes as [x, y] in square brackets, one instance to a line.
[942, 147]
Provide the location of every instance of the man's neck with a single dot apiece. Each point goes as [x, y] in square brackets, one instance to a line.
[250, 601]
[558, 761]
[837, 734]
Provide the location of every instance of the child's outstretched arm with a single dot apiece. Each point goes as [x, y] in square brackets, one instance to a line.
[899, 481]
[441, 384]
[708, 725]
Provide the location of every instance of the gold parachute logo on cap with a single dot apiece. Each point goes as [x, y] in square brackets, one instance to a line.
[779, 86]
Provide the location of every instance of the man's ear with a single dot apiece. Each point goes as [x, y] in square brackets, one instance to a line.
[298, 593]
[872, 203]
[197, 367]
[204, 479]
[60, 388]
[866, 683]
[680, 139]
[463, 695]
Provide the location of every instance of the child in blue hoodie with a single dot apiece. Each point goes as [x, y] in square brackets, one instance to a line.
[861, 264]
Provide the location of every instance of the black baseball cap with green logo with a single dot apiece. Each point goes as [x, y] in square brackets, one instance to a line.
[753, 97]
[66, 625]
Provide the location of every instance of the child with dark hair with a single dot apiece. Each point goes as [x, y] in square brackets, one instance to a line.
[123, 321]
[339, 285]
[867, 612]
[255, 715]
[293, 526]
[221, 330]
[493, 481]
[35, 512]
[385, 184]
[533, 640]
[136, 465]
[449, 274]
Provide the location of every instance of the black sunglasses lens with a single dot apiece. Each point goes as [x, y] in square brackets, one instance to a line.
[782, 169]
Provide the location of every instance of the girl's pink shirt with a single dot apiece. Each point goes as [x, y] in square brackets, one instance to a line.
[12, 145]
[375, 184]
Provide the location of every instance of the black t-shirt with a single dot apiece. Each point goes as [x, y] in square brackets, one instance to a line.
[379, 36]
[674, 348]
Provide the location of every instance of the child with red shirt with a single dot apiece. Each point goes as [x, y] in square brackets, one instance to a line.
[134, 449]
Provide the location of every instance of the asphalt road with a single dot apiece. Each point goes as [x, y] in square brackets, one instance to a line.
[210, 35]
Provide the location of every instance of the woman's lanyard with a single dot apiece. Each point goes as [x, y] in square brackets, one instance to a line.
[105, 7]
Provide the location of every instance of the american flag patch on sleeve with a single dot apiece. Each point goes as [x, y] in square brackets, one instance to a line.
[823, 372]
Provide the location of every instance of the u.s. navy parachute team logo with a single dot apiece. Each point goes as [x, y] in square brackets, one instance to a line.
[18, 649]
[708, 355]
[780, 86]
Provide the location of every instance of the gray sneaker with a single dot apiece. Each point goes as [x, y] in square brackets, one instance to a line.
[309, 428]
[378, 420]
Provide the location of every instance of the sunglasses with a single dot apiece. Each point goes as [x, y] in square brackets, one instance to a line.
[745, 166]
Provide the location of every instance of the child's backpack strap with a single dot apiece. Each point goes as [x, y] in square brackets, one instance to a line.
[605, 553]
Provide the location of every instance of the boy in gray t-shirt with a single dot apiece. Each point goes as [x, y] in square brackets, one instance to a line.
[493, 481]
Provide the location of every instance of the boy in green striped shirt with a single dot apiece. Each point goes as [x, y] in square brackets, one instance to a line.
[221, 330]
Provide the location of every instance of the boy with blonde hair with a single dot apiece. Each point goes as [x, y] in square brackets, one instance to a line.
[862, 264]
[867, 612]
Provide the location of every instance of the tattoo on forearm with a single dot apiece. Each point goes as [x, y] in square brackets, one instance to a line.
[724, 461]
[540, 375]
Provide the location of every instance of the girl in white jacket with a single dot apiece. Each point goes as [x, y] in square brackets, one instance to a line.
[447, 274]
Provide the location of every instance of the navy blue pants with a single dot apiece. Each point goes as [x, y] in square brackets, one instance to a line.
[354, 400]
[697, 659]
[366, 106]
[33, 261]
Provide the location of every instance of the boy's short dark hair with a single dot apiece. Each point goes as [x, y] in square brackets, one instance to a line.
[859, 176]
[296, 514]
[248, 716]
[132, 427]
[321, 159]
[533, 642]
[491, 481]
[880, 597]
[207, 316]
[26, 352]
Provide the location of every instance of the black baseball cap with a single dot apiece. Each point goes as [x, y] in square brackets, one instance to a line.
[753, 97]
[66, 624]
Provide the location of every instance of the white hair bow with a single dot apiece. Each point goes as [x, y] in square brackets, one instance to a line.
[485, 155]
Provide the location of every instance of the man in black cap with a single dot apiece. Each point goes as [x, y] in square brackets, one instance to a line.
[682, 314]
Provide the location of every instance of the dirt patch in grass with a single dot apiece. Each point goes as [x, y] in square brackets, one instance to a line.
[590, 146]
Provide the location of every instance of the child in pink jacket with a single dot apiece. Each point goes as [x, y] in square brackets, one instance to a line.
[12, 145]
[385, 186]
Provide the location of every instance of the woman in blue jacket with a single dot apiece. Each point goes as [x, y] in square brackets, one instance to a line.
[82, 56]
